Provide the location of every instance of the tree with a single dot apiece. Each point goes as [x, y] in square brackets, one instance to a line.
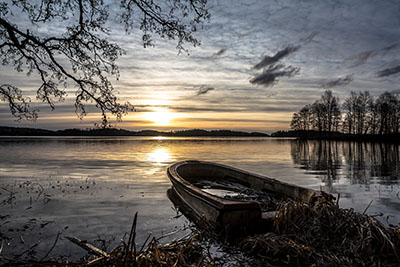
[325, 114]
[388, 112]
[295, 124]
[363, 114]
[332, 114]
[349, 117]
[373, 121]
[358, 108]
[318, 116]
[83, 56]
[302, 119]
[305, 115]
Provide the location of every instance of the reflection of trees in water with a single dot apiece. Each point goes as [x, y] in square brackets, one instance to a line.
[322, 157]
[356, 157]
[365, 160]
[387, 162]
[356, 161]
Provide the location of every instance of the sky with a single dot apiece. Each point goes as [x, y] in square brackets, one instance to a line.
[258, 62]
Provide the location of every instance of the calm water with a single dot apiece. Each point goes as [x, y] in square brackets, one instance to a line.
[92, 187]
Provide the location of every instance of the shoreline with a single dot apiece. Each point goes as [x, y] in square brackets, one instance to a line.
[338, 136]
[16, 131]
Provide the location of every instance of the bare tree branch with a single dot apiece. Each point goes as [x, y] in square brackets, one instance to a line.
[19, 106]
[82, 56]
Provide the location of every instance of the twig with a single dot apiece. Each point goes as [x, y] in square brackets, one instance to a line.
[380, 214]
[40, 193]
[52, 247]
[29, 249]
[88, 247]
[41, 186]
[337, 201]
[133, 245]
[95, 261]
[144, 244]
[18, 262]
[131, 241]
[183, 237]
[367, 207]
[9, 191]
[169, 234]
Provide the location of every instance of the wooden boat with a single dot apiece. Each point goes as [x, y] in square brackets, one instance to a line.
[222, 213]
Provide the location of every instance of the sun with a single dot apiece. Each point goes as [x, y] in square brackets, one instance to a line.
[160, 116]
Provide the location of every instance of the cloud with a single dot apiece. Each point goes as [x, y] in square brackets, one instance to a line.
[389, 48]
[338, 82]
[205, 109]
[271, 94]
[236, 120]
[287, 108]
[268, 61]
[360, 58]
[272, 70]
[309, 38]
[271, 74]
[219, 52]
[389, 71]
[203, 89]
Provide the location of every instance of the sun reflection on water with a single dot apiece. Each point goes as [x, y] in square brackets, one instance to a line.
[160, 138]
[159, 156]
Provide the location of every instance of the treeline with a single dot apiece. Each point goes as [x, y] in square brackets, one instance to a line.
[200, 132]
[359, 114]
[16, 131]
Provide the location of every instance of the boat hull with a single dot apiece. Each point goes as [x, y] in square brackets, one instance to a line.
[219, 212]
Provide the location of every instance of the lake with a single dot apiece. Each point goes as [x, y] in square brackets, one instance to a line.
[91, 187]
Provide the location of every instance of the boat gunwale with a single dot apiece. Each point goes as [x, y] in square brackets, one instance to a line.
[217, 202]
[221, 203]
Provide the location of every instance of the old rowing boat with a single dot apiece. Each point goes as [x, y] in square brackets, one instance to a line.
[203, 205]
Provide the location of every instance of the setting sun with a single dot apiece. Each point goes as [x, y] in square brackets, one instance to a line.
[160, 116]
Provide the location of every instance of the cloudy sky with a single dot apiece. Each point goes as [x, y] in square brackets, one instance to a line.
[259, 62]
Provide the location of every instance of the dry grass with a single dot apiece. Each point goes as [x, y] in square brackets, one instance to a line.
[325, 235]
[186, 251]
[178, 253]
[321, 234]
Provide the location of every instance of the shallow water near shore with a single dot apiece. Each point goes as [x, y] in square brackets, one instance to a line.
[91, 187]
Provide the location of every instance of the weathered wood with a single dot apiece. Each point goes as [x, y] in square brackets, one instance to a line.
[221, 212]
[269, 215]
[88, 247]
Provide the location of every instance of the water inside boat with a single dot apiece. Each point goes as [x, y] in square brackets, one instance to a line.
[237, 192]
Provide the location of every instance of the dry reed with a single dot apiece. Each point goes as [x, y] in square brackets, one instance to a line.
[325, 235]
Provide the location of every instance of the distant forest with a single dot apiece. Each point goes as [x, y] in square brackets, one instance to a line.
[360, 114]
[16, 131]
